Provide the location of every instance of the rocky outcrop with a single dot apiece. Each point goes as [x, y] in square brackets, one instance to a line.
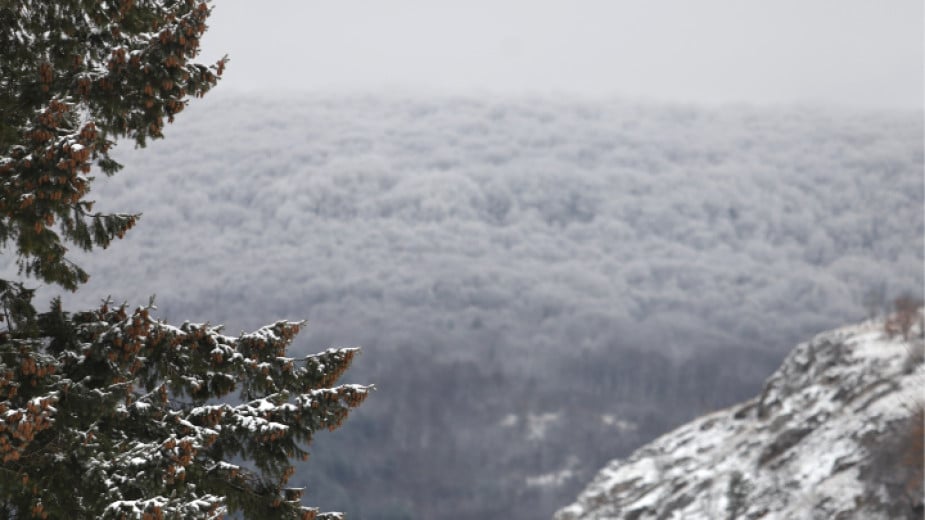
[836, 433]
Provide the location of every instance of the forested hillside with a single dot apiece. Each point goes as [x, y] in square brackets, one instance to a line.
[538, 286]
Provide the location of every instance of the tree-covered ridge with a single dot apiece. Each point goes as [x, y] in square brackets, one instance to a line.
[74, 76]
[655, 262]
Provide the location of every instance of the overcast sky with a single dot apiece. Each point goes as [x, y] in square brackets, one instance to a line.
[858, 53]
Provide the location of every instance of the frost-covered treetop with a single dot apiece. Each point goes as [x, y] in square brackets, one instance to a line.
[111, 413]
[73, 77]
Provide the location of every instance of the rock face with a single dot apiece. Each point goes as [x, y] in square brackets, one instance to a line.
[836, 433]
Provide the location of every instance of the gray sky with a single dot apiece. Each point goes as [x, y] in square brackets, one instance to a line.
[847, 52]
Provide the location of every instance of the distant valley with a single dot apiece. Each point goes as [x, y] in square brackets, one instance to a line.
[538, 285]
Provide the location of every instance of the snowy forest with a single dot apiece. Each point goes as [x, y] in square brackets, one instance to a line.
[526, 286]
[537, 285]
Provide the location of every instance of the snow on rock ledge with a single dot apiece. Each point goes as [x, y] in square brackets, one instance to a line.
[832, 436]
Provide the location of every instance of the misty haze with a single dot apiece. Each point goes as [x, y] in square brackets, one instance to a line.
[598, 260]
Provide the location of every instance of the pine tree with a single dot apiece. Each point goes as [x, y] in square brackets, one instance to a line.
[110, 413]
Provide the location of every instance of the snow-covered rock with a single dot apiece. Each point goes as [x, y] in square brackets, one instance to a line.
[835, 434]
